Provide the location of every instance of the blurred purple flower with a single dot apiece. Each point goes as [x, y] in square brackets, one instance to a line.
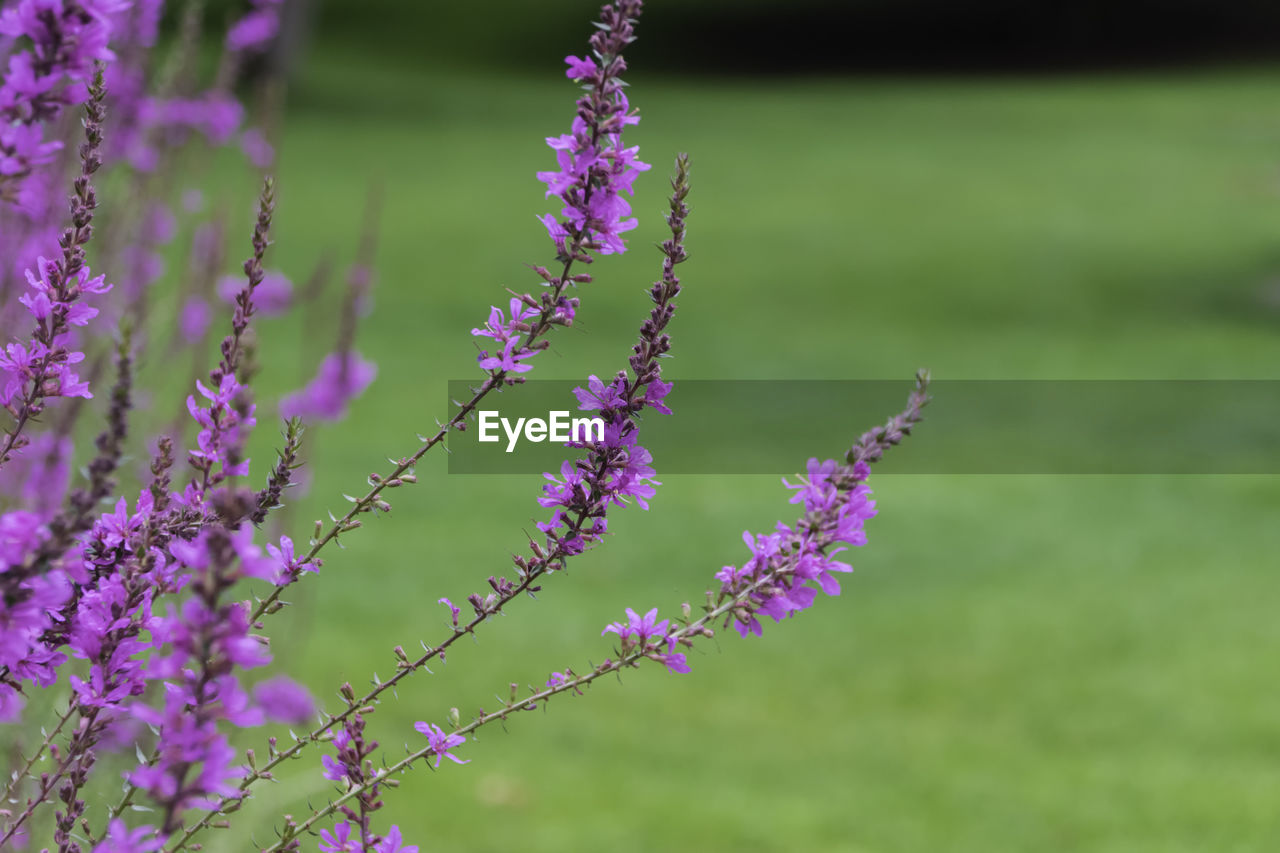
[273, 295]
[284, 700]
[342, 377]
[194, 319]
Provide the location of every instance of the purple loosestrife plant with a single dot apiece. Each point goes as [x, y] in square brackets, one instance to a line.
[137, 616]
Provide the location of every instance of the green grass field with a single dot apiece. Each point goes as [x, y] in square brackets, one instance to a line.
[1018, 663]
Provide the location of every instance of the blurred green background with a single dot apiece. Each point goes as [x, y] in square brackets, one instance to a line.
[1018, 663]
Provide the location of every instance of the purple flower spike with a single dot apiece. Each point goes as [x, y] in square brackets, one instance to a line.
[594, 168]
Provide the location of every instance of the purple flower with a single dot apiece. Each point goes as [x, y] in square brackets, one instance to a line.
[453, 610]
[340, 840]
[272, 296]
[342, 377]
[599, 396]
[334, 769]
[256, 30]
[288, 566]
[500, 328]
[581, 69]
[254, 144]
[640, 627]
[674, 662]
[509, 361]
[284, 700]
[121, 839]
[440, 743]
[393, 843]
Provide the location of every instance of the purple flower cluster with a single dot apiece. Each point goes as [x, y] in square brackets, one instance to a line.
[202, 647]
[506, 332]
[613, 471]
[42, 368]
[594, 168]
[647, 635]
[224, 418]
[798, 560]
[66, 38]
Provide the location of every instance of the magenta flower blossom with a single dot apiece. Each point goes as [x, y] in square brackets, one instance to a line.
[284, 700]
[340, 840]
[675, 662]
[255, 31]
[441, 743]
[121, 839]
[342, 377]
[502, 329]
[334, 769]
[394, 843]
[288, 566]
[581, 69]
[510, 360]
[597, 395]
[194, 319]
[640, 627]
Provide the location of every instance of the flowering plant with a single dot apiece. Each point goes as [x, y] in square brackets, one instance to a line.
[134, 616]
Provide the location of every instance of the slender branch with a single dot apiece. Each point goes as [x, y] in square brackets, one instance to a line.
[728, 606]
[697, 628]
[12, 788]
[370, 500]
